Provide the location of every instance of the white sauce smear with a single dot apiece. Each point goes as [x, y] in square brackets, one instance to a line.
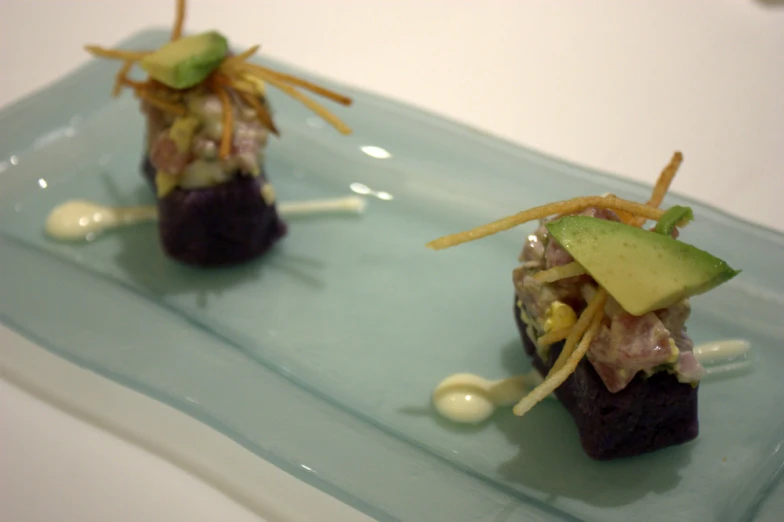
[80, 220]
[470, 399]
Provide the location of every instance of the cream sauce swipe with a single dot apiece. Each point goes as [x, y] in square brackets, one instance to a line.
[80, 220]
[470, 399]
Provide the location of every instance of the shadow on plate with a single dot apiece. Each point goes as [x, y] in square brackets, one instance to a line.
[551, 460]
[142, 259]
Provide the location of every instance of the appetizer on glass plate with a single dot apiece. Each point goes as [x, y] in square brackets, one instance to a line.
[207, 124]
[601, 304]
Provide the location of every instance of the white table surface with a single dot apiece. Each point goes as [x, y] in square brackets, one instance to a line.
[613, 85]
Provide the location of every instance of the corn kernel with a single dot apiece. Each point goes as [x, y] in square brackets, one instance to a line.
[559, 315]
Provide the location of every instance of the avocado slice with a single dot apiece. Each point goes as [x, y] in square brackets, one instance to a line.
[188, 61]
[642, 270]
[675, 216]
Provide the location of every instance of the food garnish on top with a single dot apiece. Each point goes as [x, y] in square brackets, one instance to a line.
[631, 274]
[185, 77]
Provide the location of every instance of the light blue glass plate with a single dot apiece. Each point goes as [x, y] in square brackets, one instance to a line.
[322, 356]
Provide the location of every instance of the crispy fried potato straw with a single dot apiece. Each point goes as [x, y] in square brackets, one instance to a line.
[246, 87]
[594, 308]
[136, 86]
[179, 20]
[244, 55]
[554, 380]
[234, 76]
[561, 207]
[179, 110]
[116, 54]
[309, 103]
[261, 111]
[254, 81]
[665, 179]
[249, 95]
[557, 273]
[119, 79]
[227, 122]
[625, 217]
[217, 79]
[554, 336]
[662, 184]
[293, 80]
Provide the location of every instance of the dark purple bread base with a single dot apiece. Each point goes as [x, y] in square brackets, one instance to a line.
[648, 415]
[223, 225]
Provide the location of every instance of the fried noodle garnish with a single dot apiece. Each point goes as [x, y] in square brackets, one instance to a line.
[234, 75]
[554, 336]
[179, 20]
[594, 308]
[578, 337]
[554, 380]
[662, 185]
[561, 207]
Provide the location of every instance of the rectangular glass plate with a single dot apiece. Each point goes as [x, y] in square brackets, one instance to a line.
[321, 357]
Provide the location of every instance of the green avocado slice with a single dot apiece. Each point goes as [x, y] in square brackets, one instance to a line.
[642, 270]
[188, 61]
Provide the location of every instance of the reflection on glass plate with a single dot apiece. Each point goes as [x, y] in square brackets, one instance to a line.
[321, 357]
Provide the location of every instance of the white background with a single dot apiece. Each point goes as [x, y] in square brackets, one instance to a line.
[613, 85]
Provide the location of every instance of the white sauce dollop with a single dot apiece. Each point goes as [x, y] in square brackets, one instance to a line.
[470, 399]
